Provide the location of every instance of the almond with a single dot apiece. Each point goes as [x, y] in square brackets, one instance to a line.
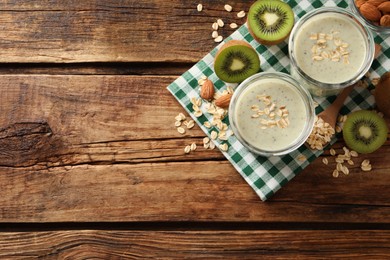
[376, 2]
[207, 90]
[359, 3]
[385, 20]
[384, 7]
[370, 12]
[223, 101]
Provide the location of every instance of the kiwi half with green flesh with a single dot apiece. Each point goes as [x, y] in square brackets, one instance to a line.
[270, 21]
[236, 61]
[365, 131]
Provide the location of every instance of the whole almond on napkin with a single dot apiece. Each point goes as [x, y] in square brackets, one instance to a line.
[223, 101]
[207, 90]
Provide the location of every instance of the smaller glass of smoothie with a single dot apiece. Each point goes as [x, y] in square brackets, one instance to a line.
[329, 50]
[271, 114]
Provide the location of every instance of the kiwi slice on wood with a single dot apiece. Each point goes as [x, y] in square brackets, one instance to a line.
[365, 131]
[236, 61]
[270, 21]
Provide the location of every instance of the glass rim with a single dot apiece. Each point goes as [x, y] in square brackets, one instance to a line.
[370, 44]
[306, 98]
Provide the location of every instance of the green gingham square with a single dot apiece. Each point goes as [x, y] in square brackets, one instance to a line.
[268, 175]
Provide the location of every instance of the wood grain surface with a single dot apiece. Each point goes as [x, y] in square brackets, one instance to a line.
[110, 30]
[89, 244]
[76, 148]
[92, 167]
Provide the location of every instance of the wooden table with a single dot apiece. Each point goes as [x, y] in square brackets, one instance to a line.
[91, 164]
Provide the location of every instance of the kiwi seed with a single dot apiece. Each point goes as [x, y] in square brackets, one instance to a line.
[270, 21]
[365, 131]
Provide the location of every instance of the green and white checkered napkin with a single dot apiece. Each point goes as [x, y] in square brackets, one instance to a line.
[267, 175]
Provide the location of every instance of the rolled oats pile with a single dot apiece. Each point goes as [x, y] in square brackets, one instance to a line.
[321, 134]
[329, 47]
[273, 115]
[220, 130]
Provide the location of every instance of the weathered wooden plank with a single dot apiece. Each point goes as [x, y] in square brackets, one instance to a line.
[102, 148]
[109, 30]
[187, 191]
[92, 108]
[55, 118]
[91, 244]
[84, 119]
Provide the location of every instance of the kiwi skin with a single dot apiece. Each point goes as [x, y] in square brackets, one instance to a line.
[263, 41]
[365, 144]
[234, 43]
[382, 94]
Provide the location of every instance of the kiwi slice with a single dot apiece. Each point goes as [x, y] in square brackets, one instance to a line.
[236, 61]
[365, 131]
[270, 21]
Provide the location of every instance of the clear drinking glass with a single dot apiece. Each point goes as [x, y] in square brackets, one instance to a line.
[325, 14]
[304, 100]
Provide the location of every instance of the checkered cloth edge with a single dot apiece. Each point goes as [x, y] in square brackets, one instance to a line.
[268, 175]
